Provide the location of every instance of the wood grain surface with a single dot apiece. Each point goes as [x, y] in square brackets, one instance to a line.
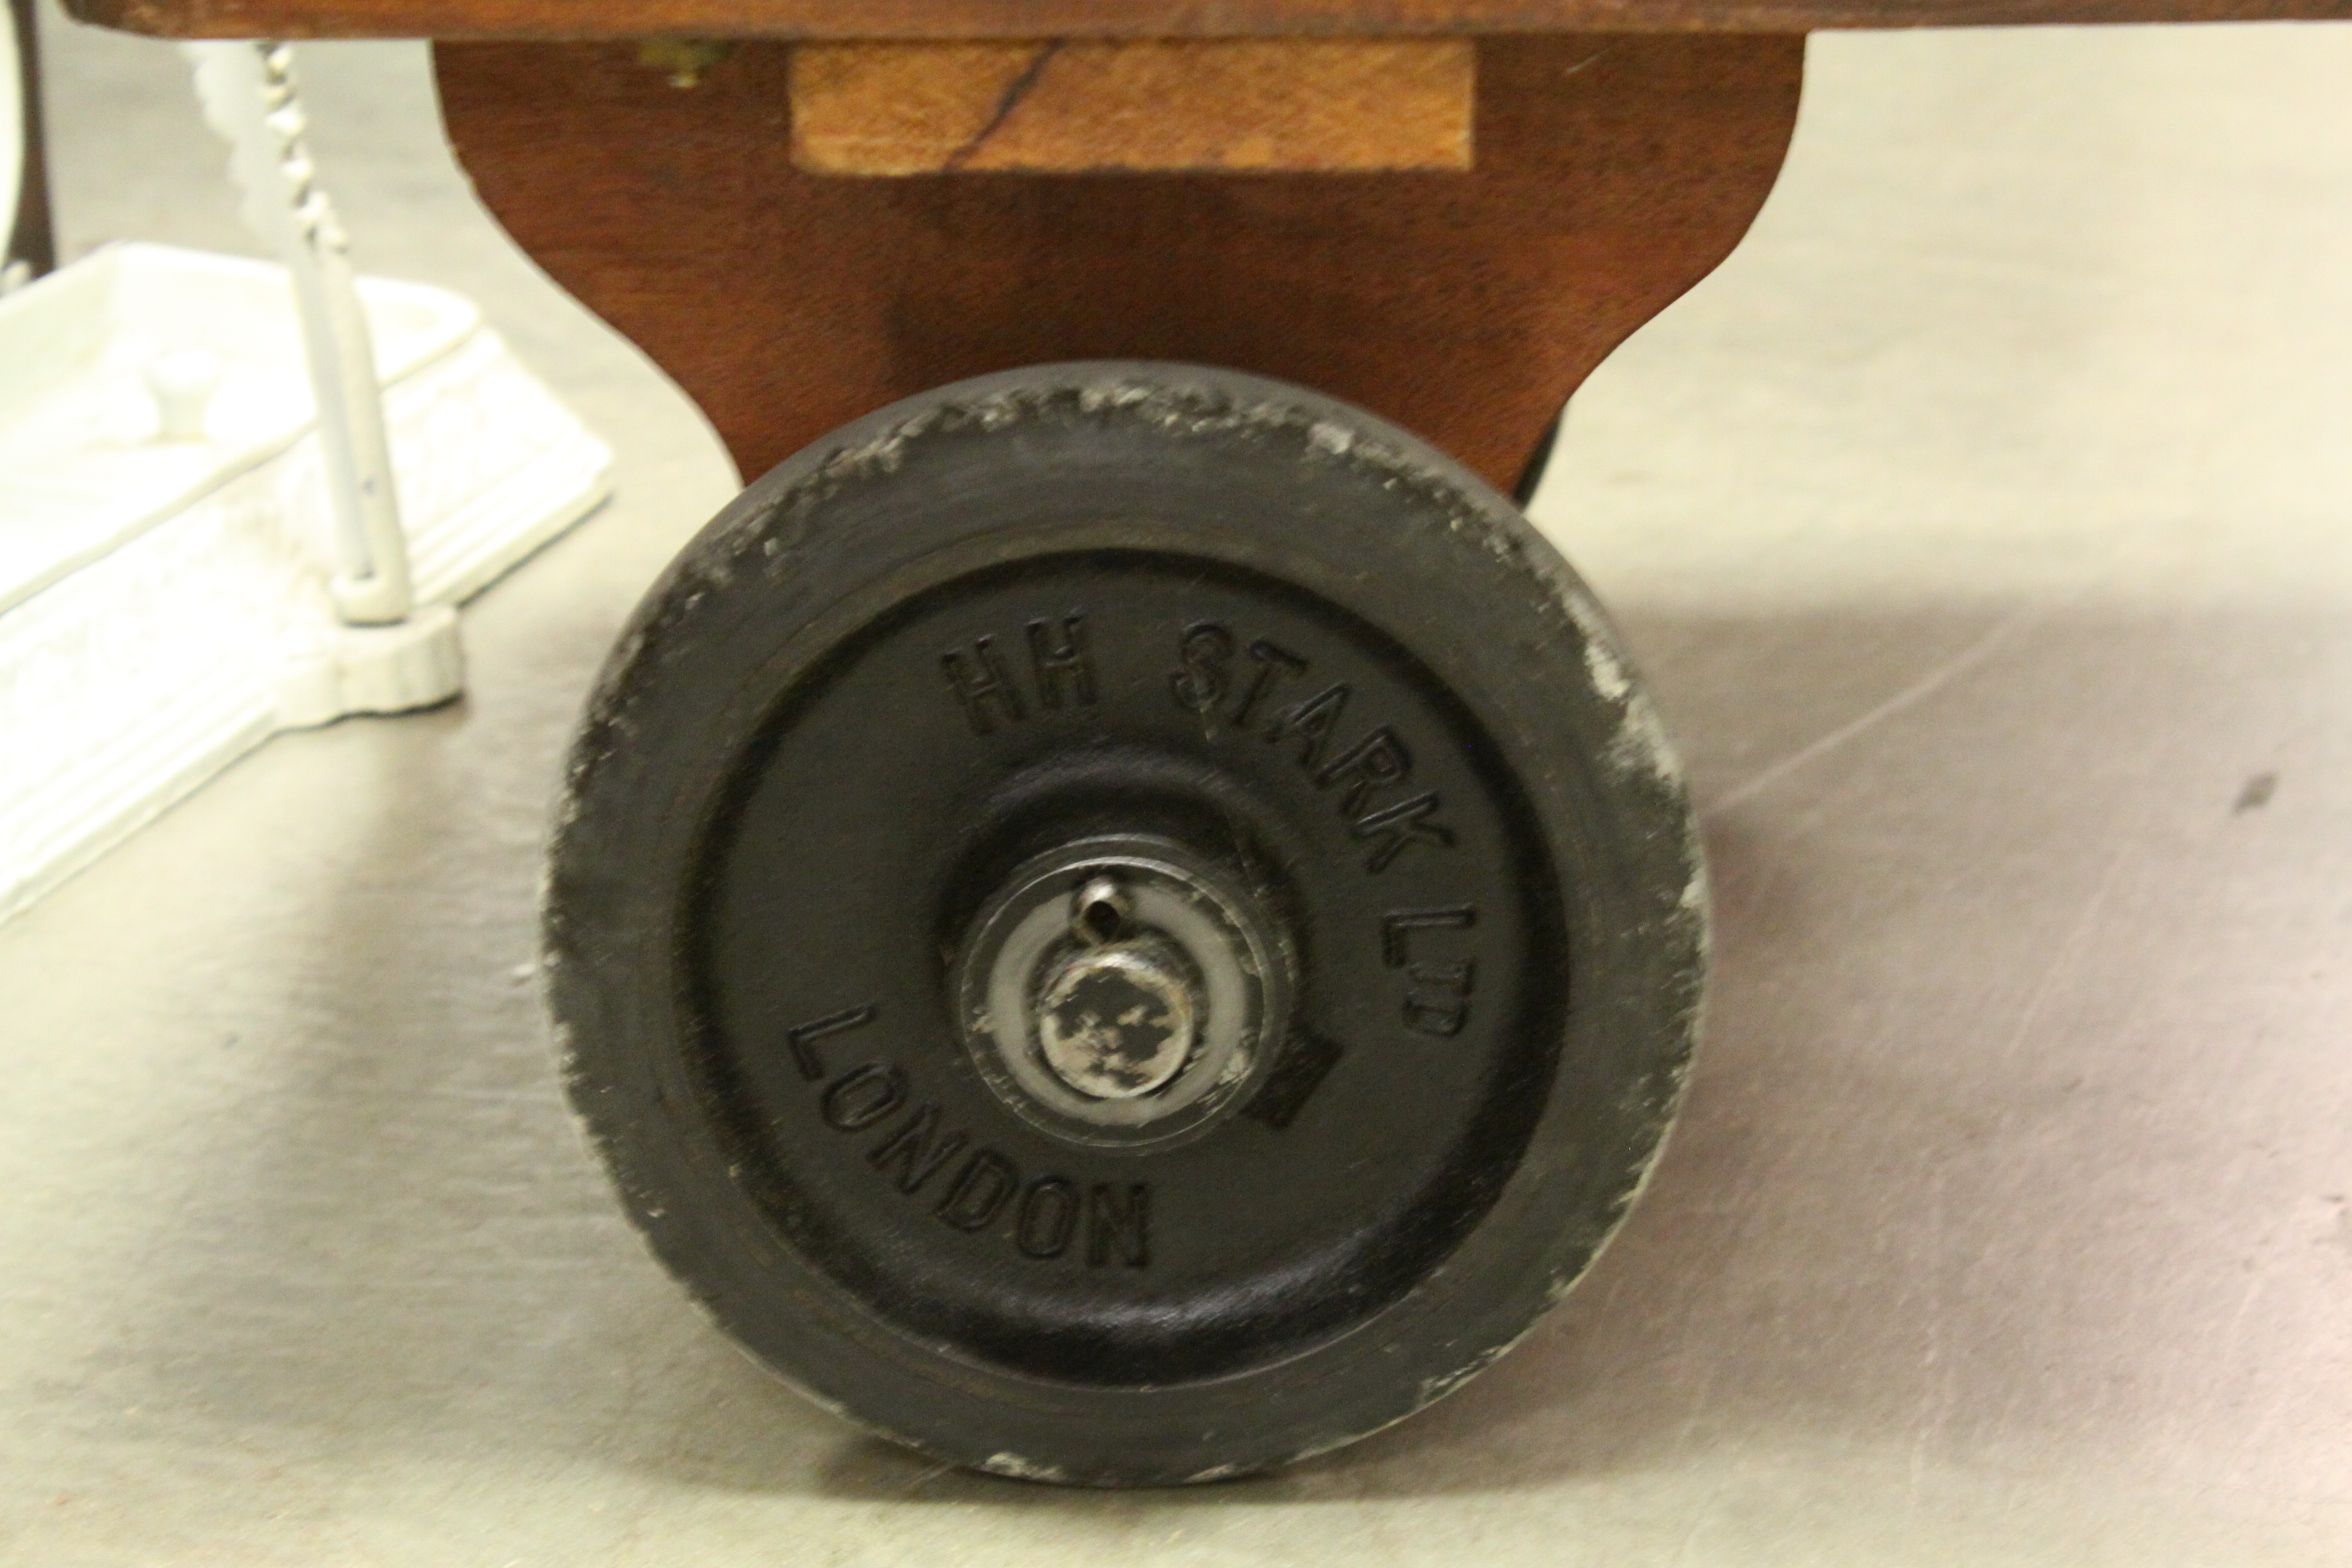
[1021, 19]
[1241, 104]
[1612, 173]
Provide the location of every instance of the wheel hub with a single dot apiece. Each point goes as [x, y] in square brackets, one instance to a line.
[1121, 991]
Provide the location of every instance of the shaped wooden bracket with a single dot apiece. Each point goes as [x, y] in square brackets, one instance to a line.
[1609, 174]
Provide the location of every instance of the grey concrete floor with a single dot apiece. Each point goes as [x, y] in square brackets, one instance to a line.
[1985, 528]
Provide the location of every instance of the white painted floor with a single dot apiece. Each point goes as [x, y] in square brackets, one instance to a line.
[1986, 529]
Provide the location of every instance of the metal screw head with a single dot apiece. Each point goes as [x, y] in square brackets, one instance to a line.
[1116, 1022]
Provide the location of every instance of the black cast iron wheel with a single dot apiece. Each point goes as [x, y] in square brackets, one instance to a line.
[1123, 923]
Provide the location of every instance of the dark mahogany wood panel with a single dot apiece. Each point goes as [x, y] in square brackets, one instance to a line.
[1612, 173]
[1117, 18]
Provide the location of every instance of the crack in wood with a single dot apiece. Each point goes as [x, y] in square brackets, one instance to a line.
[1017, 90]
